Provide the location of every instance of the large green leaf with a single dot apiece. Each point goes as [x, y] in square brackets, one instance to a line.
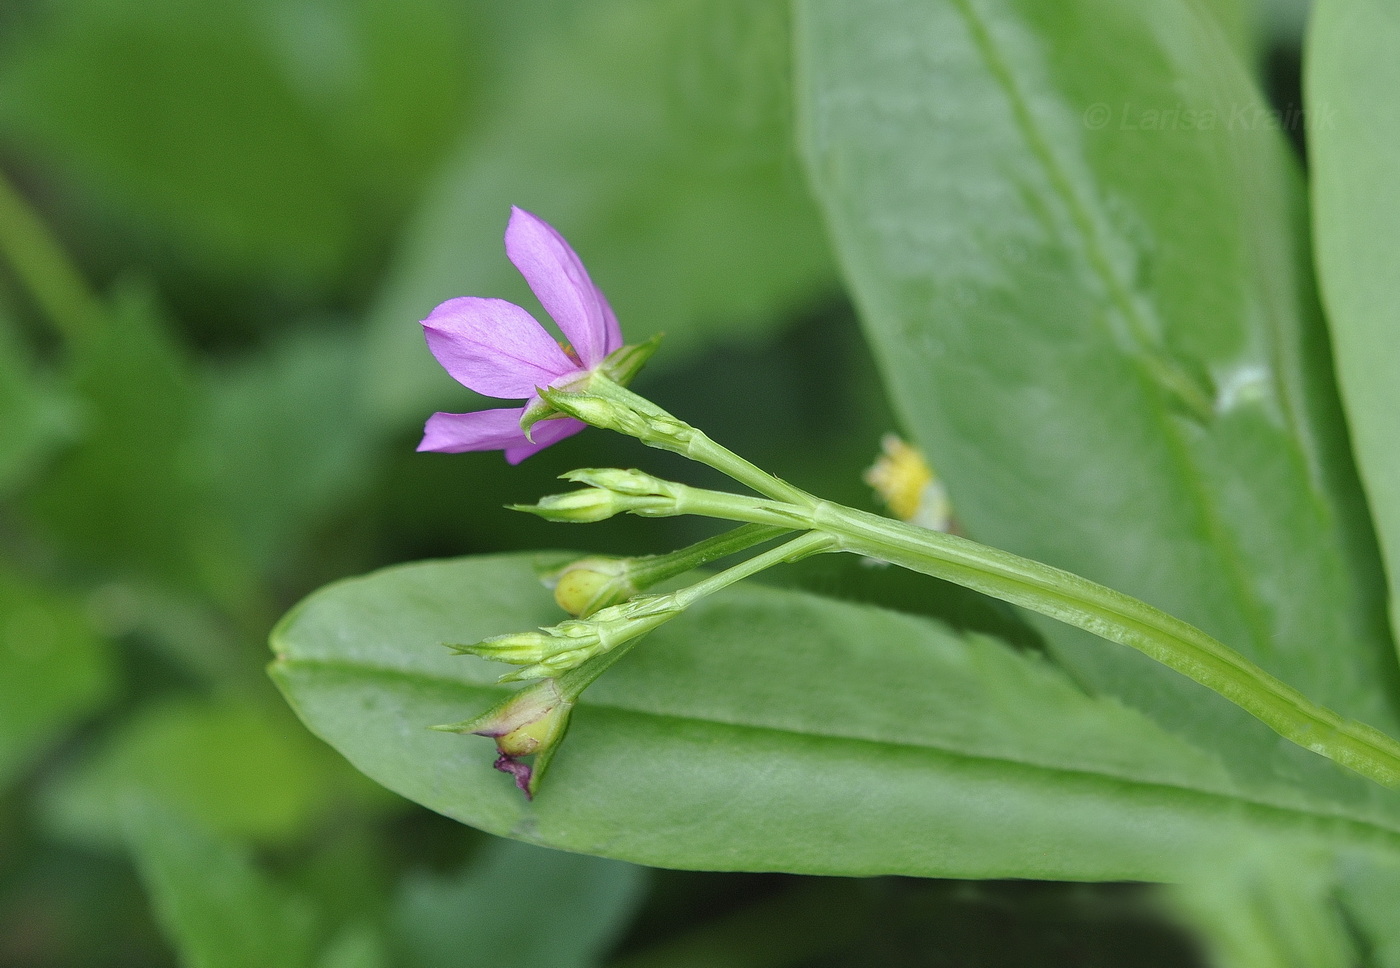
[770, 729]
[1295, 907]
[218, 909]
[517, 905]
[656, 137]
[1353, 72]
[263, 136]
[1075, 236]
[234, 768]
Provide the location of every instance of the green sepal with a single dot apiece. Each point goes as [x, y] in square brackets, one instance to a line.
[623, 364]
[620, 367]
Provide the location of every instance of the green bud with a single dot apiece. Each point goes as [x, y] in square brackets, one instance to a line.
[517, 648]
[590, 584]
[632, 483]
[578, 507]
[597, 412]
[565, 646]
[532, 722]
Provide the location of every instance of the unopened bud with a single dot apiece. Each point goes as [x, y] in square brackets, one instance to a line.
[590, 584]
[578, 507]
[633, 483]
[516, 648]
[531, 722]
[555, 650]
[909, 487]
[597, 412]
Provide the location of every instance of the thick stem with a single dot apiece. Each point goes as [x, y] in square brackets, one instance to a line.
[1123, 619]
[1078, 602]
[1020, 581]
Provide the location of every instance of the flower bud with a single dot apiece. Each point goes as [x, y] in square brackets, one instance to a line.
[909, 487]
[532, 722]
[589, 584]
[597, 412]
[517, 648]
[633, 483]
[579, 507]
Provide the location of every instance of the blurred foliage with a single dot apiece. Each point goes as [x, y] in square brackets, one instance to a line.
[675, 165]
[264, 196]
[54, 669]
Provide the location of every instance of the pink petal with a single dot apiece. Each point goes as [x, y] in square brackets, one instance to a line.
[558, 278]
[545, 432]
[494, 347]
[610, 325]
[455, 433]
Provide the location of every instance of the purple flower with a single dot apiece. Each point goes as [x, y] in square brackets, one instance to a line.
[500, 350]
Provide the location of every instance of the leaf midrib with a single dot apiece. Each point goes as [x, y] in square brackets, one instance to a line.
[1222, 543]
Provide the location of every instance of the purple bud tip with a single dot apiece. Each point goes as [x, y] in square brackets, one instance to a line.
[521, 772]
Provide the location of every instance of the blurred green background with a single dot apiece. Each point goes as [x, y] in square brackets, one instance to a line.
[219, 225]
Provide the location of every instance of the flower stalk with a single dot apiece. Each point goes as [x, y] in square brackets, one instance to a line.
[1039, 587]
[603, 403]
[500, 350]
[583, 587]
[560, 648]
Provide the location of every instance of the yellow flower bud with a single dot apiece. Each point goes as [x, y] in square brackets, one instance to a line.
[590, 584]
[909, 487]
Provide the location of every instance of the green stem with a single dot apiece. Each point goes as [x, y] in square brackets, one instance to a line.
[695, 444]
[40, 263]
[1011, 578]
[576, 680]
[650, 570]
[803, 546]
[1122, 619]
[1075, 601]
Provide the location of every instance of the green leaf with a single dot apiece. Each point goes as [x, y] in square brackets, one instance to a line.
[54, 669]
[1076, 239]
[773, 730]
[656, 138]
[35, 417]
[358, 946]
[216, 907]
[1368, 884]
[1271, 908]
[517, 905]
[1353, 71]
[1279, 905]
[236, 769]
[203, 132]
[284, 442]
[813, 919]
[128, 496]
